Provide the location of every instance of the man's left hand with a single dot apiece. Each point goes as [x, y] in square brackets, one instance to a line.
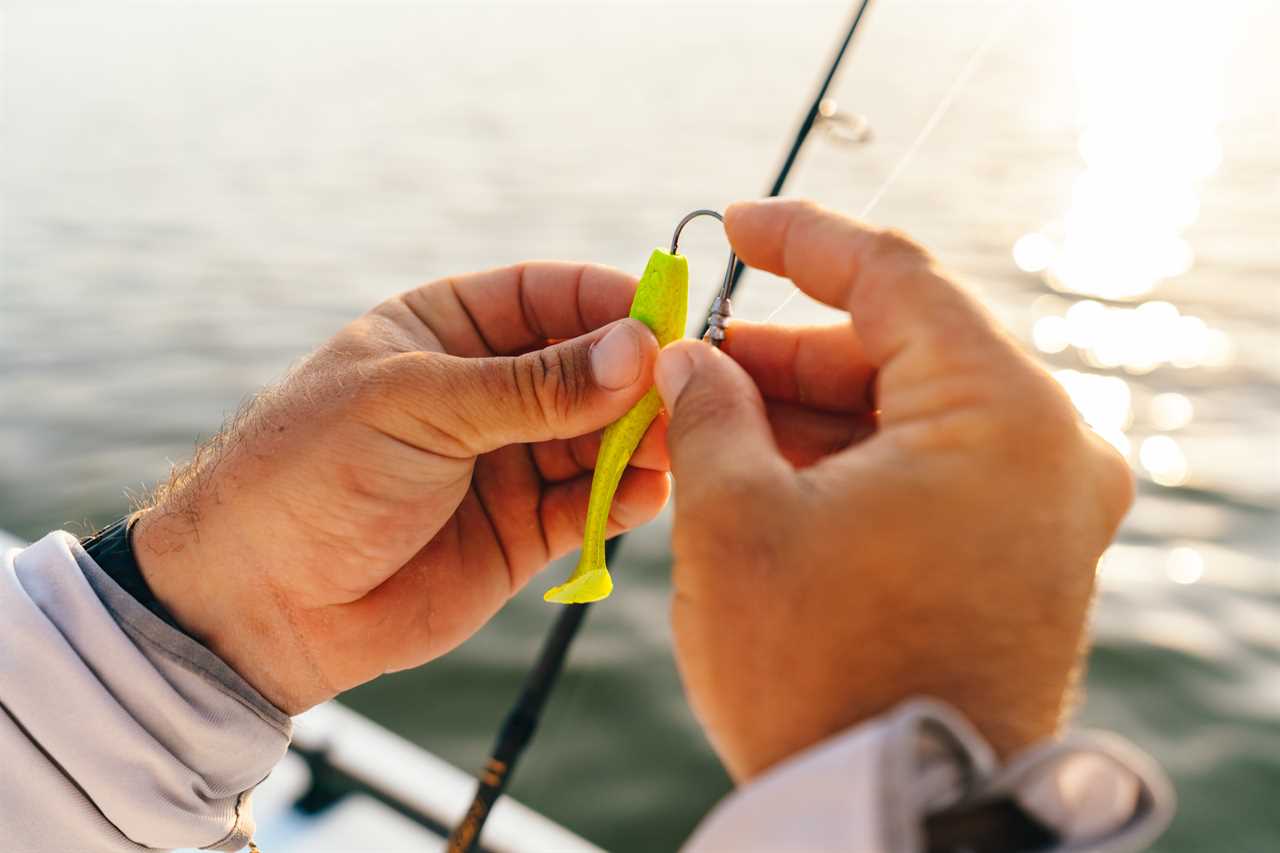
[375, 509]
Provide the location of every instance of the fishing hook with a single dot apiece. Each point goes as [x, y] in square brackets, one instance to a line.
[720, 310]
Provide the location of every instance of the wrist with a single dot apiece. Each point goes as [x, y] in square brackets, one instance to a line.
[210, 601]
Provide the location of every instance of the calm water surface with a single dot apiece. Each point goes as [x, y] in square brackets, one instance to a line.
[195, 196]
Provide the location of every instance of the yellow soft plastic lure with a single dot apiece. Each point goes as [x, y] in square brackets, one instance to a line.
[661, 303]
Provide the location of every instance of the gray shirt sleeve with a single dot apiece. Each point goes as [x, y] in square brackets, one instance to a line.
[117, 732]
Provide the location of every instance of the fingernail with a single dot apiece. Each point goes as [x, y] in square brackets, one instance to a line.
[615, 358]
[672, 374]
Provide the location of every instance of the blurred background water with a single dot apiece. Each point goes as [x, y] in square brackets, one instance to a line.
[196, 195]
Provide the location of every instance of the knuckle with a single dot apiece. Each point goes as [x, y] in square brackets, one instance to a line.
[956, 414]
[552, 382]
[1002, 413]
[1040, 432]
[1049, 411]
[1035, 412]
[893, 246]
[527, 378]
[1116, 488]
[808, 210]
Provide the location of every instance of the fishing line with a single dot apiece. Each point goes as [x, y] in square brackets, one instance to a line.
[999, 25]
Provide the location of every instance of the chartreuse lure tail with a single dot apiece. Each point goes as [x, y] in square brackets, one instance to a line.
[661, 303]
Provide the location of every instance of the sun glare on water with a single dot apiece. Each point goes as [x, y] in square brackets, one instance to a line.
[1150, 86]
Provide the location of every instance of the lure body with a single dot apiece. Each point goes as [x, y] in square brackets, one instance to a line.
[661, 303]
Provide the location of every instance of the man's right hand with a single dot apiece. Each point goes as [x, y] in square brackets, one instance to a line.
[905, 505]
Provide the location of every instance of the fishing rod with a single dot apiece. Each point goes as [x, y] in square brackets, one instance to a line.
[521, 721]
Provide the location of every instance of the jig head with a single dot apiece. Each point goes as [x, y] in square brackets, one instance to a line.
[718, 316]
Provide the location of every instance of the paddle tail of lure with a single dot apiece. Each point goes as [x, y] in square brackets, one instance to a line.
[661, 303]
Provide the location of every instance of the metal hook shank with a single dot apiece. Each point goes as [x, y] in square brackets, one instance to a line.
[720, 308]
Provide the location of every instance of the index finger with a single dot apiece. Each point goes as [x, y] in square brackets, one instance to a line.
[819, 367]
[890, 285]
[516, 308]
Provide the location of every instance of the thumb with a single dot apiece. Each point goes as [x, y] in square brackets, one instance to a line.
[719, 434]
[561, 391]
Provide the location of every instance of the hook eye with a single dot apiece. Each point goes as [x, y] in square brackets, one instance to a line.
[843, 128]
